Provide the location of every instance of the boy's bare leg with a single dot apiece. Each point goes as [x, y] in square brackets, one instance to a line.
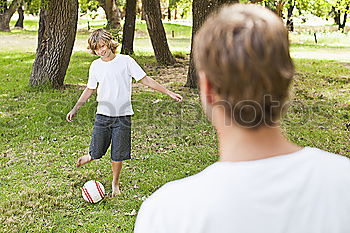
[116, 168]
[83, 159]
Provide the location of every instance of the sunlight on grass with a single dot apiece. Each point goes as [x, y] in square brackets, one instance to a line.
[41, 188]
[38, 148]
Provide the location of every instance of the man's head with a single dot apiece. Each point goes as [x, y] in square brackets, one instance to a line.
[242, 58]
[101, 43]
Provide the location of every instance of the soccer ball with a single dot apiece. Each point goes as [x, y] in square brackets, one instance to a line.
[93, 191]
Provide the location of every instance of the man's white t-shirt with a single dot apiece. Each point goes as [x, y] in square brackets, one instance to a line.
[114, 79]
[303, 192]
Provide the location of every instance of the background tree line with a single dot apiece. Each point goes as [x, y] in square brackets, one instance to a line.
[55, 41]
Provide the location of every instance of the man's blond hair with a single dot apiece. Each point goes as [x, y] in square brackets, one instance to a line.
[244, 51]
[101, 36]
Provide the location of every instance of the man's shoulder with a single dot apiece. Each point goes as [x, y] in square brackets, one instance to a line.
[181, 189]
[328, 161]
[327, 158]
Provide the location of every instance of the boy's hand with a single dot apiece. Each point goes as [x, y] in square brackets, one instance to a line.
[175, 96]
[71, 114]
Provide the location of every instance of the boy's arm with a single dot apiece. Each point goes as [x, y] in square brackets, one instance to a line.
[83, 98]
[150, 82]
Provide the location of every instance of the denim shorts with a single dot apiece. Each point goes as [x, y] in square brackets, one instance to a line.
[115, 130]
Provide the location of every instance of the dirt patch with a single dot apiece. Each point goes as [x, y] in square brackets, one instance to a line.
[170, 75]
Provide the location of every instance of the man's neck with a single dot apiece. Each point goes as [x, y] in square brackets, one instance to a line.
[240, 144]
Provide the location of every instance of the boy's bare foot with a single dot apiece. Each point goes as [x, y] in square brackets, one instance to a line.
[83, 159]
[115, 190]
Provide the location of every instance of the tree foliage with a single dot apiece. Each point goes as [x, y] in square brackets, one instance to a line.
[32, 7]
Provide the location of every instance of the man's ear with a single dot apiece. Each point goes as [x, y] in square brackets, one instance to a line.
[205, 88]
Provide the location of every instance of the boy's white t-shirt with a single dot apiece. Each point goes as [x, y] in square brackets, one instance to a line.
[303, 192]
[114, 79]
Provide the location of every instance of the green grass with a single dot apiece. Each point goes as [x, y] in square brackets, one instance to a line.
[38, 148]
[40, 187]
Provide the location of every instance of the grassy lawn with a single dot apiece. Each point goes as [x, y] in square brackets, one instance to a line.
[41, 188]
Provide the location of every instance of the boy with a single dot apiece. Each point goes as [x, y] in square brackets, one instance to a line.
[262, 182]
[112, 75]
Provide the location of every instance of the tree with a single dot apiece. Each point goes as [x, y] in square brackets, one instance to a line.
[200, 10]
[110, 7]
[337, 9]
[290, 7]
[32, 7]
[156, 32]
[129, 27]
[20, 20]
[6, 12]
[113, 13]
[183, 5]
[340, 10]
[57, 29]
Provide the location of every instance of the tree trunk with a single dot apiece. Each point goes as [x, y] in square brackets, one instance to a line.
[20, 20]
[129, 27]
[156, 32]
[200, 11]
[290, 24]
[336, 16]
[6, 13]
[342, 25]
[56, 35]
[169, 14]
[279, 8]
[112, 12]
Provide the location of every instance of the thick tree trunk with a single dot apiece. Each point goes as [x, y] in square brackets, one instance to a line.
[129, 27]
[20, 20]
[57, 29]
[156, 32]
[112, 12]
[200, 11]
[6, 13]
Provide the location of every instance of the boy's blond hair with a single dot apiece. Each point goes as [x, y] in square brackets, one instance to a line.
[101, 35]
[244, 51]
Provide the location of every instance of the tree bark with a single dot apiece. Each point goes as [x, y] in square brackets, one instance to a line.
[112, 12]
[20, 20]
[169, 14]
[279, 8]
[200, 11]
[6, 13]
[342, 25]
[56, 35]
[290, 24]
[336, 16]
[129, 27]
[156, 32]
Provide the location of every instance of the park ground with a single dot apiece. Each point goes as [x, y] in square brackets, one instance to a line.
[40, 186]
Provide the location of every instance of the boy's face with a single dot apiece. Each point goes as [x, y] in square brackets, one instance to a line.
[102, 50]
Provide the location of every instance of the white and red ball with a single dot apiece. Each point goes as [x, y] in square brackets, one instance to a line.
[93, 191]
